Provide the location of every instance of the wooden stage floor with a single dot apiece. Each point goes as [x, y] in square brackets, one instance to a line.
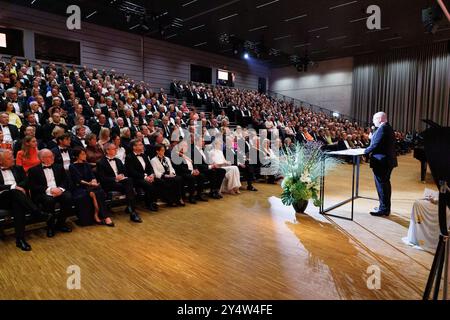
[242, 247]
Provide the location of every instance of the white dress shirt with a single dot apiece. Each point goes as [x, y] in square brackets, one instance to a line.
[16, 107]
[9, 179]
[6, 134]
[66, 159]
[142, 161]
[113, 166]
[121, 154]
[51, 181]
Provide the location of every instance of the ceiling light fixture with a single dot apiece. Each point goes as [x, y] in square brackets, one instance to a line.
[390, 39]
[90, 15]
[228, 17]
[266, 4]
[318, 29]
[302, 45]
[197, 27]
[343, 5]
[188, 3]
[282, 37]
[337, 38]
[295, 18]
[257, 28]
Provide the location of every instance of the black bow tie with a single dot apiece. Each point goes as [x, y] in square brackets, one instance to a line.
[64, 150]
[47, 167]
[5, 126]
[111, 160]
[140, 155]
[6, 169]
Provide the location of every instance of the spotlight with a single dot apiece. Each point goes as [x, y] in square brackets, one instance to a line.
[246, 56]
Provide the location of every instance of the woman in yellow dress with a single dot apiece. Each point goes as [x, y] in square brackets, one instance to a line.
[14, 119]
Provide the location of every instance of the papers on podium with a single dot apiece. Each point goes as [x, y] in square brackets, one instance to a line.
[349, 152]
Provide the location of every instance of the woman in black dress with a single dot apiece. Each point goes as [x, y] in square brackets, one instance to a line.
[88, 196]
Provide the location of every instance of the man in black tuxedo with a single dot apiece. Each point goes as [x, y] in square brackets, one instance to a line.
[13, 196]
[166, 129]
[214, 174]
[89, 108]
[34, 110]
[97, 125]
[238, 158]
[79, 138]
[112, 176]
[135, 128]
[63, 152]
[192, 178]
[49, 185]
[30, 121]
[383, 159]
[10, 132]
[140, 169]
[55, 122]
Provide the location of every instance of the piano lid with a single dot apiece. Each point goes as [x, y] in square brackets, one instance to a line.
[431, 123]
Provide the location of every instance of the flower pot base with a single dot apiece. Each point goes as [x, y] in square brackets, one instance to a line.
[300, 206]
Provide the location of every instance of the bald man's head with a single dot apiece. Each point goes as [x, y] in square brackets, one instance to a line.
[379, 118]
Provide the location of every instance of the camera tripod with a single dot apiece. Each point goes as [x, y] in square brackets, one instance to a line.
[440, 264]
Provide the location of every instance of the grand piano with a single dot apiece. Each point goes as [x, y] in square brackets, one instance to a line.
[419, 150]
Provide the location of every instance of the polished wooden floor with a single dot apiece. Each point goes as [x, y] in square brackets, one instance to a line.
[242, 247]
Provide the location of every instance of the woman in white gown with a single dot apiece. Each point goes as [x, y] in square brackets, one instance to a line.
[424, 226]
[232, 181]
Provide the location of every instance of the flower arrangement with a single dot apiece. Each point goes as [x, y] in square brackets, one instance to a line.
[302, 170]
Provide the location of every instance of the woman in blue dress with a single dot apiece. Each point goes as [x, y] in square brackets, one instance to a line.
[88, 195]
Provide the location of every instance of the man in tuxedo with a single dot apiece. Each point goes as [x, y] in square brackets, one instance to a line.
[79, 138]
[30, 121]
[10, 132]
[89, 109]
[112, 176]
[97, 126]
[135, 128]
[192, 178]
[34, 110]
[13, 196]
[167, 131]
[238, 158]
[140, 170]
[63, 152]
[214, 174]
[383, 159]
[49, 185]
[55, 122]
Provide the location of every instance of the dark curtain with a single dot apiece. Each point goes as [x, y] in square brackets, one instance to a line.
[408, 84]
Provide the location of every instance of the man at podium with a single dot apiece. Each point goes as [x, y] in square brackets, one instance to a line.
[383, 159]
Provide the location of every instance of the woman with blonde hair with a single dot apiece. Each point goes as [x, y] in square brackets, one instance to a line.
[14, 119]
[104, 137]
[28, 156]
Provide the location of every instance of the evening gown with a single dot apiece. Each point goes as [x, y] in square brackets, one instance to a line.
[83, 202]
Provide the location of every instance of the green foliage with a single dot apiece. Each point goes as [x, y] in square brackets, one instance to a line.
[302, 171]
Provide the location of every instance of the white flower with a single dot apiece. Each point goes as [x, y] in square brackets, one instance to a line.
[305, 178]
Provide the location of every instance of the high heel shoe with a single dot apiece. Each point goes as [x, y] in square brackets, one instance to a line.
[103, 223]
